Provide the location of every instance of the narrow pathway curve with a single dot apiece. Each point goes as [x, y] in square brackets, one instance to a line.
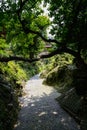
[40, 111]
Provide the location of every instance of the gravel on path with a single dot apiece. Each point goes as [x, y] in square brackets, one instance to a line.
[40, 110]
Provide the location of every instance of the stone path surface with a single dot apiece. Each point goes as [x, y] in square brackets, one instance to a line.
[40, 110]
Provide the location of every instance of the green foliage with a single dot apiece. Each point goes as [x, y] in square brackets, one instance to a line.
[12, 79]
[58, 60]
[68, 25]
[14, 73]
[19, 20]
[30, 44]
[58, 72]
[42, 22]
[4, 47]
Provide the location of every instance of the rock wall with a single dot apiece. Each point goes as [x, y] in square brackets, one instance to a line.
[8, 105]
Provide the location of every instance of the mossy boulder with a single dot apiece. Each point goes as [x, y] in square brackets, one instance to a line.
[60, 78]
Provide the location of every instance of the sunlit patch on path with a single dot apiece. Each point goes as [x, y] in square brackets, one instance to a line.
[40, 111]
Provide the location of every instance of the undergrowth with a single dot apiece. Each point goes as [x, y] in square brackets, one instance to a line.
[13, 77]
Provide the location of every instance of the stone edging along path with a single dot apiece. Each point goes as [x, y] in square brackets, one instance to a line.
[40, 110]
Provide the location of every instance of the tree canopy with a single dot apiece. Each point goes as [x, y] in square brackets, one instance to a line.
[23, 29]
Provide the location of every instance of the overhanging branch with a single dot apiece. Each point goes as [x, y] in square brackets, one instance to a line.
[59, 51]
[16, 58]
[42, 37]
[27, 31]
[55, 52]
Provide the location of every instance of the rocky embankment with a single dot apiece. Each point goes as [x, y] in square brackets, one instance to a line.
[72, 83]
[8, 105]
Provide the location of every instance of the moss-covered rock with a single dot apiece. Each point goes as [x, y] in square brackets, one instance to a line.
[60, 78]
[55, 61]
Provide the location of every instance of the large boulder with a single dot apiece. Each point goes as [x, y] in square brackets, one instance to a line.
[60, 78]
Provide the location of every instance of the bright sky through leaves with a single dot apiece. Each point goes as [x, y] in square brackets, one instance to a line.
[46, 12]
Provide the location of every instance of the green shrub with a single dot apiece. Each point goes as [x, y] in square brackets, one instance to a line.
[16, 73]
[56, 61]
[11, 77]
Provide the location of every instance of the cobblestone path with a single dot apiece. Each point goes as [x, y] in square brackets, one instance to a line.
[40, 110]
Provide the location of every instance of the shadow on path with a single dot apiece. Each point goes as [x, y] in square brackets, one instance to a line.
[40, 111]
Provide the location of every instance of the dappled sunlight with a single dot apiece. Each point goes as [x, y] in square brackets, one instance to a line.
[17, 124]
[40, 110]
[42, 113]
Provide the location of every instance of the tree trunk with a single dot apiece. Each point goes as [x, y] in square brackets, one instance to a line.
[80, 64]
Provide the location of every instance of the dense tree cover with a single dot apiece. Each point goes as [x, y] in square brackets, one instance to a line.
[23, 37]
[23, 27]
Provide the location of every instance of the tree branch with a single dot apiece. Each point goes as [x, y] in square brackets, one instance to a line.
[59, 51]
[41, 36]
[27, 30]
[55, 52]
[16, 58]
[22, 3]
